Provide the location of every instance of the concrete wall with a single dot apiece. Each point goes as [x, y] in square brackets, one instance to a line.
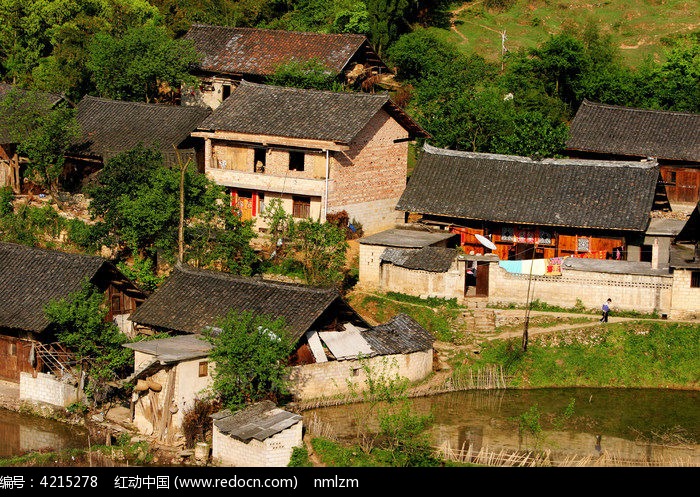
[49, 389]
[642, 293]
[328, 379]
[275, 451]
[685, 302]
[446, 285]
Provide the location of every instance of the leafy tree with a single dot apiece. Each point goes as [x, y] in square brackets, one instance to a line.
[138, 64]
[79, 323]
[321, 247]
[43, 134]
[352, 18]
[311, 74]
[142, 272]
[250, 352]
[387, 21]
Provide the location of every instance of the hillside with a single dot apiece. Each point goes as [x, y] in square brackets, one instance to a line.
[639, 29]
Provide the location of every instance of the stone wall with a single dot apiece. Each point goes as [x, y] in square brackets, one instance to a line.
[275, 451]
[686, 299]
[632, 292]
[328, 379]
[48, 389]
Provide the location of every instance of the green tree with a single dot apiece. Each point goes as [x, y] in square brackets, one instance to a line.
[311, 74]
[43, 134]
[388, 19]
[79, 323]
[137, 65]
[250, 352]
[321, 247]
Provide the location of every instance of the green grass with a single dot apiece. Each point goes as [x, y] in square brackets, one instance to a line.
[640, 29]
[636, 354]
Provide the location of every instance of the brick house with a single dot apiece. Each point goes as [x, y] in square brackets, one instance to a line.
[232, 54]
[318, 152]
[32, 277]
[611, 132]
[110, 127]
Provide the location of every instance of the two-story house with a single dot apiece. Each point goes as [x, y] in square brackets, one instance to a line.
[232, 54]
[319, 152]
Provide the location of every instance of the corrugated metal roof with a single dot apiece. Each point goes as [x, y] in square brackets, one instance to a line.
[348, 344]
[259, 421]
[407, 238]
[316, 346]
[433, 259]
[173, 349]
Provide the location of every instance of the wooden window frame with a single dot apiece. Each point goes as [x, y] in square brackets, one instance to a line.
[301, 207]
[203, 369]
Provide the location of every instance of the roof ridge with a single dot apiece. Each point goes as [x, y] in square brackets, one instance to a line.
[32, 248]
[146, 104]
[384, 95]
[247, 279]
[267, 30]
[638, 109]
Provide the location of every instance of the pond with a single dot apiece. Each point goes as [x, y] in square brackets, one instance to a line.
[22, 433]
[617, 426]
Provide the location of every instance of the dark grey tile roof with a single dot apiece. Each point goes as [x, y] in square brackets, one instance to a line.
[192, 299]
[298, 113]
[684, 256]
[174, 349]
[628, 131]
[110, 127]
[52, 99]
[400, 335]
[32, 277]
[612, 266]
[407, 237]
[616, 195]
[433, 259]
[259, 421]
[258, 52]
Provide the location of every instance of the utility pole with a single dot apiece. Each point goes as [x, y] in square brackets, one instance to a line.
[181, 226]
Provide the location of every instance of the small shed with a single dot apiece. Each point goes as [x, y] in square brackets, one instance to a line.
[261, 435]
[169, 375]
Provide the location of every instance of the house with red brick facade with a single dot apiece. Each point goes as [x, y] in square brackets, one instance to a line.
[231, 54]
[319, 152]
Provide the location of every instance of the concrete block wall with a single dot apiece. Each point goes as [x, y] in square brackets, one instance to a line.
[49, 389]
[642, 293]
[685, 299]
[275, 451]
[423, 283]
[328, 379]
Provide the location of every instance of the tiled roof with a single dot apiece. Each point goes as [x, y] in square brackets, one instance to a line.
[259, 52]
[615, 195]
[400, 335]
[192, 299]
[691, 230]
[434, 259]
[627, 131]
[32, 277]
[298, 113]
[111, 126]
[5, 88]
[407, 237]
[258, 421]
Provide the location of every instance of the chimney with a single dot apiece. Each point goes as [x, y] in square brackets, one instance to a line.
[655, 254]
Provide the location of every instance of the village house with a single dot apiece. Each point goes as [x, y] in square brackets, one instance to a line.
[11, 164]
[231, 54]
[572, 242]
[32, 277]
[333, 343]
[318, 152]
[110, 127]
[611, 132]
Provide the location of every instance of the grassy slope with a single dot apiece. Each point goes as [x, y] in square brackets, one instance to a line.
[638, 28]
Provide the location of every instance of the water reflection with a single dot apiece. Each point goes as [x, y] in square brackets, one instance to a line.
[628, 424]
[20, 434]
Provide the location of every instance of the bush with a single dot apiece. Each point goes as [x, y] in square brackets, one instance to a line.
[196, 423]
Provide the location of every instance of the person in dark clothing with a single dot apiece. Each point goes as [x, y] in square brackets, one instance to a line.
[606, 311]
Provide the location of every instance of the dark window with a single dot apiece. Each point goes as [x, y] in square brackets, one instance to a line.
[695, 279]
[301, 207]
[259, 160]
[116, 303]
[203, 369]
[296, 161]
[225, 92]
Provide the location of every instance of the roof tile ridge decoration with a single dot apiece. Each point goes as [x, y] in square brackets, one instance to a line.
[142, 104]
[52, 252]
[277, 31]
[476, 155]
[642, 164]
[384, 95]
[252, 280]
[636, 109]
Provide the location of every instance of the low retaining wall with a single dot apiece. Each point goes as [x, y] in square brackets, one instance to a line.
[48, 389]
[328, 379]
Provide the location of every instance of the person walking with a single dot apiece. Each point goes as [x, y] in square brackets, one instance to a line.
[606, 311]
